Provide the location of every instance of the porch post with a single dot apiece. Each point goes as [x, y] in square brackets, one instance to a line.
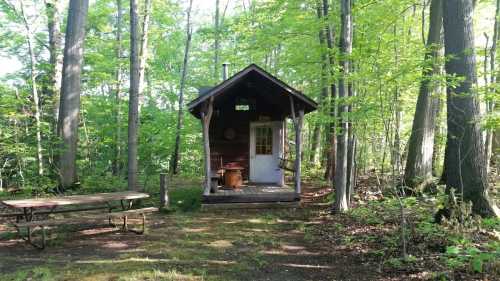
[298, 150]
[297, 124]
[206, 115]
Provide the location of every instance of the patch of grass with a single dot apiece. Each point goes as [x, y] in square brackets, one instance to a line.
[157, 275]
[186, 199]
[35, 274]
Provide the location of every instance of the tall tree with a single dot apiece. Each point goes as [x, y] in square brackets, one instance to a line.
[116, 166]
[332, 126]
[53, 10]
[418, 170]
[341, 202]
[69, 107]
[34, 91]
[133, 103]
[180, 115]
[143, 55]
[216, 40]
[316, 135]
[465, 155]
[494, 78]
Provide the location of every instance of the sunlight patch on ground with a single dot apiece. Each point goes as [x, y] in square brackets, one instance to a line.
[152, 260]
[231, 222]
[255, 221]
[277, 252]
[306, 265]
[257, 230]
[115, 245]
[292, 247]
[221, 244]
[96, 231]
[195, 229]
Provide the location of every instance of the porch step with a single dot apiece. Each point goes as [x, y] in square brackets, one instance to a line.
[250, 198]
[260, 205]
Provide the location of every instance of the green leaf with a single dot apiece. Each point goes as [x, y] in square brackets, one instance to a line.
[452, 250]
[477, 264]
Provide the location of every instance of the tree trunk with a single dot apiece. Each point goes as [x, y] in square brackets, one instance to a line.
[133, 104]
[34, 91]
[175, 156]
[351, 149]
[69, 109]
[493, 80]
[116, 166]
[340, 204]
[216, 41]
[53, 10]
[418, 170]
[465, 159]
[206, 116]
[316, 135]
[143, 56]
[332, 126]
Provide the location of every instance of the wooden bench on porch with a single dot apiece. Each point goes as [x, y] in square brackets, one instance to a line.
[35, 212]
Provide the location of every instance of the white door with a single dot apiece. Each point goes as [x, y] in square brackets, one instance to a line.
[265, 149]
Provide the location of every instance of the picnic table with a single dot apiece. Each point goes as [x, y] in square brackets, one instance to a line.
[49, 205]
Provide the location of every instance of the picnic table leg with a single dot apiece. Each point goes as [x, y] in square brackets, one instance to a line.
[125, 223]
[110, 219]
[28, 217]
[128, 206]
[143, 226]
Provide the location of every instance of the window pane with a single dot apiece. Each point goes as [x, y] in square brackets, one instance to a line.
[263, 140]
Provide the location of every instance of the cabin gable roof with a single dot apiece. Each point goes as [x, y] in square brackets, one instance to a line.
[264, 77]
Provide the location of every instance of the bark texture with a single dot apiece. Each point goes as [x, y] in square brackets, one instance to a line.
[494, 78]
[332, 126]
[216, 40]
[117, 165]
[180, 114]
[69, 108]
[316, 135]
[465, 156]
[341, 202]
[133, 103]
[34, 90]
[206, 116]
[418, 170]
[53, 10]
[143, 56]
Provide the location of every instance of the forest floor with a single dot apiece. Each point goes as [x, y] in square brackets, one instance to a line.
[303, 244]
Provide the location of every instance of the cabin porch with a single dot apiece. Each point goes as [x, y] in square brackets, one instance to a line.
[252, 193]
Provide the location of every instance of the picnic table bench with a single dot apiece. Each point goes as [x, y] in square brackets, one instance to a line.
[51, 205]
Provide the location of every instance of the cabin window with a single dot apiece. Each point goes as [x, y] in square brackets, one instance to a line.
[242, 104]
[242, 107]
[264, 140]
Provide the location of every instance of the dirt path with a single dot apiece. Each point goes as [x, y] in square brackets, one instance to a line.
[231, 245]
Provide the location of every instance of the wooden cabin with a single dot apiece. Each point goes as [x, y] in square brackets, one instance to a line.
[244, 136]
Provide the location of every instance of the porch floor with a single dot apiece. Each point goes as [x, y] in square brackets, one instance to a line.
[250, 193]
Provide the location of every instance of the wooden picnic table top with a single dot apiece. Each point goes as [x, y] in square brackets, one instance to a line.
[50, 202]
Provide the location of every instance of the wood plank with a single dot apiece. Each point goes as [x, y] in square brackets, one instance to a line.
[258, 205]
[74, 199]
[86, 219]
[249, 198]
